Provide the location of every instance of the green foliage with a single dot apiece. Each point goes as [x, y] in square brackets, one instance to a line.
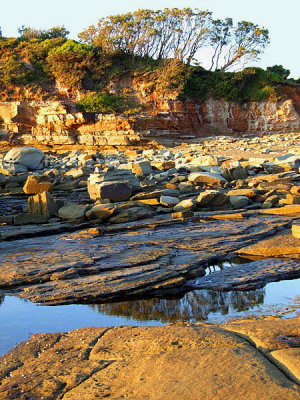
[169, 76]
[28, 33]
[15, 72]
[249, 84]
[279, 70]
[102, 103]
[74, 62]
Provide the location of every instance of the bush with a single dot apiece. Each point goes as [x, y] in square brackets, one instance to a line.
[250, 84]
[15, 72]
[102, 103]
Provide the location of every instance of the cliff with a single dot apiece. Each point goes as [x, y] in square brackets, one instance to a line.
[58, 123]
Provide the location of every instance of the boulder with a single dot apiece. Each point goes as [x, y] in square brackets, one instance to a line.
[205, 161]
[12, 169]
[142, 168]
[129, 182]
[169, 201]
[186, 205]
[211, 197]
[206, 177]
[72, 212]
[28, 157]
[134, 213]
[25, 219]
[100, 212]
[242, 192]
[113, 191]
[186, 187]
[163, 165]
[238, 201]
[42, 204]
[37, 184]
[233, 170]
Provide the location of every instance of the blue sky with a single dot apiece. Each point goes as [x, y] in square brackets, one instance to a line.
[280, 17]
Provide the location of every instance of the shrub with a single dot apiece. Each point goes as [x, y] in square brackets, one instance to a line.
[102, 103]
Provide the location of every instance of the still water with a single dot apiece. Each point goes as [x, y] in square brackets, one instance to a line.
[21, 318]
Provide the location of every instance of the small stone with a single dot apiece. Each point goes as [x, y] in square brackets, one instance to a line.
[296, 231]
[206, 177]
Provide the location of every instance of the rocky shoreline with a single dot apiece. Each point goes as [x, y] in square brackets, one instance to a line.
[96, 227]
[144, 222]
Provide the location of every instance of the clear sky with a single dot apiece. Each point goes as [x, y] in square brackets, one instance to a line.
[280, 17]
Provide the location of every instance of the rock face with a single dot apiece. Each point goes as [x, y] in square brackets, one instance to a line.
[56, 123]
[178, 361]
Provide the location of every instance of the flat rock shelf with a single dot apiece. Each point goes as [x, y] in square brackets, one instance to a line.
[138, 261]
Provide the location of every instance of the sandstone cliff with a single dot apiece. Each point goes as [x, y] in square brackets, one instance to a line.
[59, 123]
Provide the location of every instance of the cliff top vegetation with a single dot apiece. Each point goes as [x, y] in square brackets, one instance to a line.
[162, 47]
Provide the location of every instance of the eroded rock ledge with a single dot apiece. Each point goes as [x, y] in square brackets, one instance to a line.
[142, 259]
[243, 360]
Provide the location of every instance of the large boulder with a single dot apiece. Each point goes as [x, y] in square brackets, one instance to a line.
[115, 185]
[28, 157]
[113, 191]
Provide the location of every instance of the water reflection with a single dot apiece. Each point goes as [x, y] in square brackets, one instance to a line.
[1, 298]
[195, 305]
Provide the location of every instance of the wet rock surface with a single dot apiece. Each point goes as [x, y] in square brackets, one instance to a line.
[248, 276]
[239, 360]
[89, 266]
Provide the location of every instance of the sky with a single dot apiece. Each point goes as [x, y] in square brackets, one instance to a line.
[280, 17]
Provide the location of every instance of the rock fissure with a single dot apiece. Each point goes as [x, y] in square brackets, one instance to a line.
[268, 355]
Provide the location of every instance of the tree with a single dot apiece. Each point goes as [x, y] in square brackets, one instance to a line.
[28, 33]
[168, 33]
[55, 32]
[220, 37]
[247, 43]
[279, 70]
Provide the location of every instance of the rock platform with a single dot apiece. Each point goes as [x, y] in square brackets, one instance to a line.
[242, 360]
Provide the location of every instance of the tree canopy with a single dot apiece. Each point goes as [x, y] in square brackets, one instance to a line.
[180, 34]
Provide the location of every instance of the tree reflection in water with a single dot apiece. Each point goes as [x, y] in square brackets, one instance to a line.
[1, 298]
[194, 306]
